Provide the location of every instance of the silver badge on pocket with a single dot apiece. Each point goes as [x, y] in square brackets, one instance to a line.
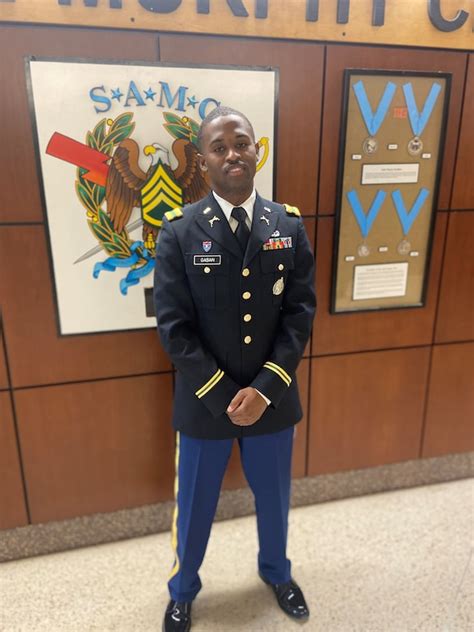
[278, 286]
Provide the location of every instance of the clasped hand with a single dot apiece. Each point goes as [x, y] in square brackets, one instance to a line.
[247, 407]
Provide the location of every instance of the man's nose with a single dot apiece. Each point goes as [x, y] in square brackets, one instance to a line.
[232, 155]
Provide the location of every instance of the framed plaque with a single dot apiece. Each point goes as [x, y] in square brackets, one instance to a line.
[117, 149]
[392, 138]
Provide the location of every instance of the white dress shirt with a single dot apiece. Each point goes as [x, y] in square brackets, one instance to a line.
[233, 223]
[227, 209]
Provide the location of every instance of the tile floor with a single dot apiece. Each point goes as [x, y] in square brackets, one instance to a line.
[394, 562]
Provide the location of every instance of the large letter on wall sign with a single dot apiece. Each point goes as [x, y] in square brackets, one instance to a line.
[378, 12]
[434, 11]
[237, 7]
[160, 6]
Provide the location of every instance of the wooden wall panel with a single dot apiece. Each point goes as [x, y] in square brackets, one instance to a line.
[341, 57]
[299, 112]
[456, 301]
[19, 177]
[366, 409]
[358, 331]
[450, 412]
[234, 477]
[12, 499]
[37, 354]
[463, 192]
[96, 446]
[310, 226]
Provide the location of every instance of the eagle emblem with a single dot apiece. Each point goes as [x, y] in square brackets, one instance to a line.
[160, 188]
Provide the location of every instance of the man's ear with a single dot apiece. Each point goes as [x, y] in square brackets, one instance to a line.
[202, 162]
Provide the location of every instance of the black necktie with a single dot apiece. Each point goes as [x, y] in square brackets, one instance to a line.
[242, 233]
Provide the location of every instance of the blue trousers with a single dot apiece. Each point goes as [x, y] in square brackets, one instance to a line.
[200, 468]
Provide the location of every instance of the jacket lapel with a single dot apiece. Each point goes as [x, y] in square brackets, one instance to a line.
[217, 229]
[262, 229]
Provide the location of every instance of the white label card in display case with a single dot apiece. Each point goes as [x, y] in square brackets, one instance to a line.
[383, 280]
[391, 173]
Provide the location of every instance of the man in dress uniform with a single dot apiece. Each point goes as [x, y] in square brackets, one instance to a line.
[235, 302]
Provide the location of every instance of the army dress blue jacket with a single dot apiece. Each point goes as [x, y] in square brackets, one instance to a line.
[230, 320]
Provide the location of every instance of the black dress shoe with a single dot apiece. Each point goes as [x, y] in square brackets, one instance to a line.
[177, 617]
[290, 598]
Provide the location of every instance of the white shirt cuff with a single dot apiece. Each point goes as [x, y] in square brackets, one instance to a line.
[267, 401]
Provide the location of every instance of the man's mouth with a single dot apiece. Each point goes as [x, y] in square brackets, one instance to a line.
[235, 170]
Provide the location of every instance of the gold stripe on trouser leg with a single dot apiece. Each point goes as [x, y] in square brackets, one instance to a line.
[174, 528]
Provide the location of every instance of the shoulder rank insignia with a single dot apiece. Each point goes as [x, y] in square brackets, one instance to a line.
[292, 210]
[174, 214]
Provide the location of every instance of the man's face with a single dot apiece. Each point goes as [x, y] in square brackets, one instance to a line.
[229, 155]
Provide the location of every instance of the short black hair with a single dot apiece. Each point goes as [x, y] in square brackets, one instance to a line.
[220, 110]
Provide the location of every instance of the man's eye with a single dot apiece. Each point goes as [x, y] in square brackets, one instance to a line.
[218, 149]
[242, 145]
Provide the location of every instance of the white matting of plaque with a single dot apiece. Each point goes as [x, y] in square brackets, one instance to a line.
[383, 280]
[391, 173]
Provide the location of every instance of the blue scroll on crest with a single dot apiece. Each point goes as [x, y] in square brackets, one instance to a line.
[133, 277]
